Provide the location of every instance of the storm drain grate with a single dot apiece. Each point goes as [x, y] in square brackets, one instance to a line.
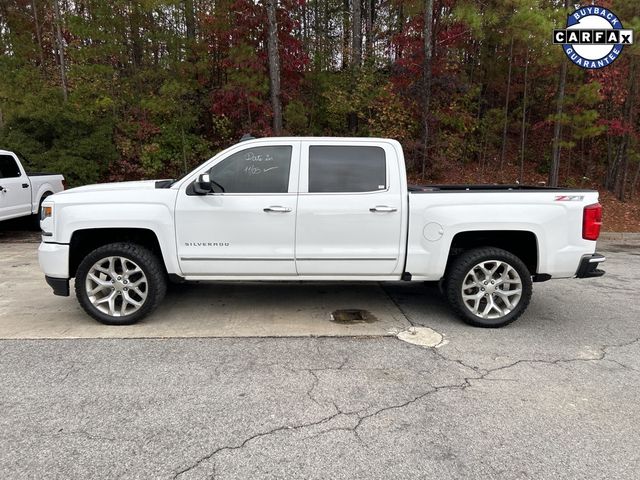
[350, 316]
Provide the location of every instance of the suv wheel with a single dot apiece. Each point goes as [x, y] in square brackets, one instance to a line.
[120, 283]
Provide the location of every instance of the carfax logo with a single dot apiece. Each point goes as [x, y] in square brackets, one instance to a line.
[594, 37]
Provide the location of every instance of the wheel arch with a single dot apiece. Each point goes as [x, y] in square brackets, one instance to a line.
[521, 243]
[42, 195]
[85, 241]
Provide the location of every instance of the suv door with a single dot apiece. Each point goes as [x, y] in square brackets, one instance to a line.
[250, 228]
[349, 218]
[15, 194]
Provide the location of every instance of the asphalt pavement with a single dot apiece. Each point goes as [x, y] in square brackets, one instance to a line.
[554, 395]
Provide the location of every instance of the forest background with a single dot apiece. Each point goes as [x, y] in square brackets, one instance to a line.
[474, 90]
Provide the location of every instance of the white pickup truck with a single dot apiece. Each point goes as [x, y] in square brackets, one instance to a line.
[22, 194]
[315, 209]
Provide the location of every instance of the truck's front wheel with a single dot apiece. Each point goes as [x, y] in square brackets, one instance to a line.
[488, 287]
[120, 283]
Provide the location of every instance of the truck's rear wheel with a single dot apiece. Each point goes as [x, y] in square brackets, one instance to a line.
[120, 283]
[488, 287]
[35, 218]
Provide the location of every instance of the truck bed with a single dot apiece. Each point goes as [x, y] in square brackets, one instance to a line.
[41, 174]
[489, 188]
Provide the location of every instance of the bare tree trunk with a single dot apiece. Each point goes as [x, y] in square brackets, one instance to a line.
[248, 114]
[38, 32]
[345, 33]
[506, 108]
[184, 151]
[63, 67]
[155, 47]
[189, 19]
[629, 117]
[305, 28]
[614, 167]
[399, 49]
[274, 66]
[426, 78]
[356, 34]
[136, 44]
[554, 171]
[623, 167]
[369, 15]
[324, 41]
[318, 27]
[524, 117]
[356, 57]
[483, 150]
[607, 178]
[636, 177]
[557, 129]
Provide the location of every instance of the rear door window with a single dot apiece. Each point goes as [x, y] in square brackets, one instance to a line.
[346, 169]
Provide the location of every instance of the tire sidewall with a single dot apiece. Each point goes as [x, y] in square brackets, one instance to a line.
[38, 214]
[144, 258]
[461, 268]
[42, 199]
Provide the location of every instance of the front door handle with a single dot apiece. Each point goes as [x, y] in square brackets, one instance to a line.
[25, 185]
[383, 208]
[277, 208]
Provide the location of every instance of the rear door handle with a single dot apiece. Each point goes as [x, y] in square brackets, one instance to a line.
[277, 208]
[383, 208]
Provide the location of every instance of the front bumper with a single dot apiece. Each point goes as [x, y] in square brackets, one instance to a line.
[54, 262]
[588, 267]
[60, 285]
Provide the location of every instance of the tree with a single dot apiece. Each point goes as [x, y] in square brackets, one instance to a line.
[629, 119]
[554, 171]
[523, 128]
[356, 34]
[60, 45]
[506, 107]
[274, 65]
[426, 78]
[159, 85]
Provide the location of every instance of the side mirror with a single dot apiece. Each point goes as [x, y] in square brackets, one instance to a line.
[202, 186]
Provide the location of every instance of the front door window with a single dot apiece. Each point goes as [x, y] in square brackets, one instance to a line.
[254, 170]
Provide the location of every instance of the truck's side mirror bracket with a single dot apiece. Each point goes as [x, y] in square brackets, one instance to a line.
[202, 186]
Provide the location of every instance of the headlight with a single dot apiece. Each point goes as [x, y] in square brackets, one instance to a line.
[46, 212]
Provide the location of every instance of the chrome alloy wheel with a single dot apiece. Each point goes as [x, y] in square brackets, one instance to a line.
[491, 289]
[116, 286]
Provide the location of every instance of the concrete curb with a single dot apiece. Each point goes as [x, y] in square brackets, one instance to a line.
[620, 237]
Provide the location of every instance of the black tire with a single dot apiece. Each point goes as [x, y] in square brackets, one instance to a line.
[145, 259]
[462, 266]
[36, 217]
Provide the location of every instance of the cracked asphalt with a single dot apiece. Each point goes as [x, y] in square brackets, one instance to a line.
[554, 395]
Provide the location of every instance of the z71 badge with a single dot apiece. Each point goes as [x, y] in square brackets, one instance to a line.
[569, 198]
